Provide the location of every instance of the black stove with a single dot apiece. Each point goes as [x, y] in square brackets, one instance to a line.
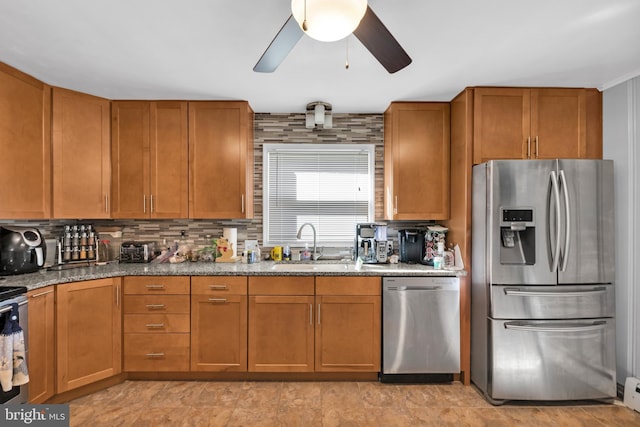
[7, 292]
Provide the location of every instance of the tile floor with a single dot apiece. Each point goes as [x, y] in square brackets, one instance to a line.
[184, 403]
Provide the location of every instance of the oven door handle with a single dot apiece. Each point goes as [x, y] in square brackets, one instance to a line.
[520, 293]
[8, 308]
[532, 327]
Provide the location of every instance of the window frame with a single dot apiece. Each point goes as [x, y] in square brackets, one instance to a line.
[268, 148]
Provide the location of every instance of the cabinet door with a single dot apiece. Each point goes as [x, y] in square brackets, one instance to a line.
[81, 155]
[281, 334]
[25, 144]
[558, 123]
[88, 332]
[219, 333]
[130, 159]
[41, 338]
[168, 158]
[220, 160]
[417, 161]
[348, 333]
[502, 125]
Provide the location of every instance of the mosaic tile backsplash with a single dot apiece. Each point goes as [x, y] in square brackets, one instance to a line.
[269, 128]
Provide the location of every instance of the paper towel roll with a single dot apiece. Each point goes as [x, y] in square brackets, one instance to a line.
[231, 234]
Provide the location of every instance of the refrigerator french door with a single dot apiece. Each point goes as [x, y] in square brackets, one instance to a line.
[543, 324]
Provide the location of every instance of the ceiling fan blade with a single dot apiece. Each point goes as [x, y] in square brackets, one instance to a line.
[380, 42]
[280, 47]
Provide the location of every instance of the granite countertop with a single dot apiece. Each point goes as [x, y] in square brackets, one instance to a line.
[265, 268]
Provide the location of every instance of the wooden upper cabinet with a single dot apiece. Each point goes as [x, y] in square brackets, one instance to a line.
[25, 143]
[81, 155]
[416, 161]
[220, 160]
[150, 159]
[544, 123]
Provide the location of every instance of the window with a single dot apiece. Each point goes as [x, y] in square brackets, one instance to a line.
[330, 186]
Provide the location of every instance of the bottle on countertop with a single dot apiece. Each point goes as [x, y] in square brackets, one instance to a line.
[438, 259]
[286, 253]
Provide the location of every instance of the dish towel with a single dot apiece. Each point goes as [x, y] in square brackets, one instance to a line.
[13, 362]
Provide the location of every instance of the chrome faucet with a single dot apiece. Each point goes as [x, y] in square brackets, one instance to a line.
[313, 257]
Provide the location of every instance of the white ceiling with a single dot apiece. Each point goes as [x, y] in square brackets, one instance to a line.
[206, 49]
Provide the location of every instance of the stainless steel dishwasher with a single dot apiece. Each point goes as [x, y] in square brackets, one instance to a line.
[420, 329]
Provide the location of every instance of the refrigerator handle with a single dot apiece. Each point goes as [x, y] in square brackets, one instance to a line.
[556, 194]
[567, 222]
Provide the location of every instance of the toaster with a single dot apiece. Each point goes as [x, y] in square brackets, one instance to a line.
[137, 252]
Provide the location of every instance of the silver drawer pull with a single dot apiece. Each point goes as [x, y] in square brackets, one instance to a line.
[518, 292]
[155, 355]
[217, 300]
[155, 306]
[155, 287]
[533, 327]
[218, 287]
[155, 325]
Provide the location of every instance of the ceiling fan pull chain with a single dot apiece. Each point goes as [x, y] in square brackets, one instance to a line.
[304, 22]
[346, 64]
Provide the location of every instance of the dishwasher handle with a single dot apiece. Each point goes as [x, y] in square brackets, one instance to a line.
[414, 288]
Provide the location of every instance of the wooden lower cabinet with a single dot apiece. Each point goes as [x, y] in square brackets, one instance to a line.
[88, 325]
[332, 328]
[219, 324]
[347, 324]
[41, 340]
[281, 330]
[156, 324]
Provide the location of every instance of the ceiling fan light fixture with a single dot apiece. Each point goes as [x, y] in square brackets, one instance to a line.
[328, 20]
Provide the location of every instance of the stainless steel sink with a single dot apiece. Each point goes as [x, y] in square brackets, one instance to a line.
[313, 267]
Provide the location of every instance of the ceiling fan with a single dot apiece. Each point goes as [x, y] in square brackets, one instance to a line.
[308, 16]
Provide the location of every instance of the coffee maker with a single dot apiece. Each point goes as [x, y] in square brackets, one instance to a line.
[412, 246]
[371, 244]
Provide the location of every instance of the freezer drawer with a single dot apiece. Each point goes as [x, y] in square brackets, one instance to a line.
[552, 302]
[552, 360]
[421, 325]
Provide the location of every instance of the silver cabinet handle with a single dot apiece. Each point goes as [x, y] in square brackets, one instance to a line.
[106, 203]
[117, 296]
[318, 314]
[41, 294]
[155, 325]
[242, 201]
[217, 300]
[218, 287]
[151, 198]
[311, 314]
[155, 287]
[537, 148]
[144, 203]
[395, 205]
[529, 147]
[155, 306]
[155, 354]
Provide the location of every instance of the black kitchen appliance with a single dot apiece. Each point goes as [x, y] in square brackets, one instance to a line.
[22, 250]
[412, 249]
[137, 252]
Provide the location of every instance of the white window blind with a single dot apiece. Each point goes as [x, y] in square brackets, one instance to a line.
[330, 186]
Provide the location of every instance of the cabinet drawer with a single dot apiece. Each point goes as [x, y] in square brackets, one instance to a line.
[141, 285]
[214, 285]
[281, 285]
[156, 304]
[156, 323]
[156, 352]
[340, 285]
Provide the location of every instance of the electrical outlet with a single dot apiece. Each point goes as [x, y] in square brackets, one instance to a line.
[632, 393]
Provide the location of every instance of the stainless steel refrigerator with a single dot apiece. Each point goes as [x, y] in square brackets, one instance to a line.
[542, 321]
